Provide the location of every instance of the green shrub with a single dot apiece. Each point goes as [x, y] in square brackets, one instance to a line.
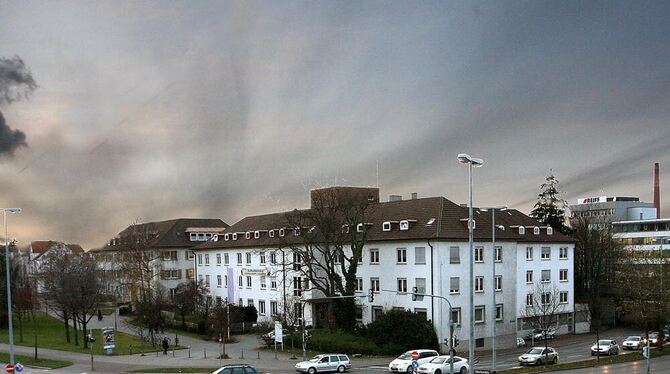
[397, 331]
[341, 342]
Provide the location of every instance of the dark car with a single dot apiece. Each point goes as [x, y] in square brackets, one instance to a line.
[236, 369]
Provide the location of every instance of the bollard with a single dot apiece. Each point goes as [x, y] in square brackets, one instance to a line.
[189, 351]
[131, 350]
[173, 352]
[205, 350]
[275, 355]
[242, 356]
[156, 353]
[259, 355]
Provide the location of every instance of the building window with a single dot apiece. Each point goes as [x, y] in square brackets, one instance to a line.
[546, 253]
[546, 276]
[225, 281]
[219, 280]
[498, 254]
[374, 255]
[479, 284]
[273, 258]
[359, 284]
[420, 255]
[498, 283]
[420, 284]
[188, 255]
[199, 260]
[240, 281]
[529, 253]
[563, 253]
[374, 284]
[401, 255]
[423, 312]
[263, 282]
[226, 259]
[170, 256]
[190, 273]
[402, 285]
[262, 258]
[480, 314]
[454, 255]
[456, 316]
[273, 283]
[546, 298]
[454, 285]
[273, 308]
[529, 300]
[248, 258]
[250, 302]
[499, 312]
[206, 259]
[479, 343]
[239, 259]
[218, 259]
[297, 286]
[479, 254]
[261, 307]
[563, 297]
[563, 275]
[297, 261]
[377, 312]
[207, 280]
[248, 281]
[529, 276]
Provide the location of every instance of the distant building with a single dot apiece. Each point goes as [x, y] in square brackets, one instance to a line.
[171, 241]
[603, 210]
[33, 256]
[646, 234]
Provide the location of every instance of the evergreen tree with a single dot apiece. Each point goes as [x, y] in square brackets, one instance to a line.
[550, 206]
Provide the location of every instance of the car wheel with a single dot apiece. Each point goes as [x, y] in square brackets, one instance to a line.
[410, 369]
[438, 371]
[539, 361]
[341, 369]
[555, 360]
[463, 370]
[311, 370]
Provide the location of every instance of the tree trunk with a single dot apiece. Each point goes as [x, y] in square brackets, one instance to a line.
[20, 318]
[67, 327]
[83, 326]
[76, 334]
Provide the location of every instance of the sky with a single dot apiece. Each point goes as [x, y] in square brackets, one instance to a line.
[152, 110]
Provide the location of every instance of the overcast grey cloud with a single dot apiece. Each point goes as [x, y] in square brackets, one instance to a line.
[154, 110]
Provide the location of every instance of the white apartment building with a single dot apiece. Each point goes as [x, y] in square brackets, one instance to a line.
[171, 242]
[419, 243]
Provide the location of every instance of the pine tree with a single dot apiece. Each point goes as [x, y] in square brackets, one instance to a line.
[550, 206]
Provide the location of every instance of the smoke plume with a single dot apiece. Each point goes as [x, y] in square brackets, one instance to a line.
[16, 83]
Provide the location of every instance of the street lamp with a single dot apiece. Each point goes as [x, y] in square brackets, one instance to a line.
[472, 162]
[495, 308]
[9, 288]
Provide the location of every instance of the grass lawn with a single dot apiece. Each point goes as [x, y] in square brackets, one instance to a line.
[30, 361]
[635, 356]
[51, 334]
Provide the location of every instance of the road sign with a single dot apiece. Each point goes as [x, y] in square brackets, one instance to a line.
[415, 355]
[415, 364]
[9, 368]
[18, 367]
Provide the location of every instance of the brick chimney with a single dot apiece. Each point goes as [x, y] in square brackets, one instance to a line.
[657, 192]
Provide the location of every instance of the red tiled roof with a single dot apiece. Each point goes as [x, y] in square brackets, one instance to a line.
[75, 248]
[41, 246]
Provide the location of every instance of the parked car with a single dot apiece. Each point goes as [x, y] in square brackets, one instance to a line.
[520, 342]
[404, 362]
[442, 364]
[605, 347]
[550, 333]
[539, 356]
[531, 335]
[633, 342]
[654, 339]
[338, 362]
[236, 369]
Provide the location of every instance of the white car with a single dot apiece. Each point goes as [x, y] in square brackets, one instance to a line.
[441, 364]
[539, 356]
[605, 347]
[632, 342]
[326, 362]
[403, 363]
[520, 342]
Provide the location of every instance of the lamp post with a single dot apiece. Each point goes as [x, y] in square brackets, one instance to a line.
[9, 288]
[493, 274]
[471, 162]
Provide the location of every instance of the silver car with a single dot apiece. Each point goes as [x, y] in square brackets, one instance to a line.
[605, 347]
[326, 362]
[539, 356]
[632, 342]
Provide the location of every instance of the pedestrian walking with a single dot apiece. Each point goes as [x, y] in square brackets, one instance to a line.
[166, 345]
[99, 315]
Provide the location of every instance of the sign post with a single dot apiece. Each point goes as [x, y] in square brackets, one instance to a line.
[108, 340]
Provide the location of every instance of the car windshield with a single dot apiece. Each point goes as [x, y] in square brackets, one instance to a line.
[653, 336]
[535, 351]
[438, 360]
[604, 342]
[315, 359]
[633, 338]
[405, 356]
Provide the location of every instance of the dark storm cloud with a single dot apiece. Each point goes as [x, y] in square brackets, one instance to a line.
[16, 83]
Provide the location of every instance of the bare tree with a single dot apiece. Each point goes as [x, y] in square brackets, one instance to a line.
[187, 297]
[327, 243]
[137, 259]
[542, 310]
[85, 290]
[53, 275]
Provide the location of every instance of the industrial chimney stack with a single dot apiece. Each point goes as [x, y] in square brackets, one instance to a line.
[657, 192]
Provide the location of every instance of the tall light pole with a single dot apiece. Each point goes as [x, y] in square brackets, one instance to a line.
[471, 162]
[9, 287]
[493, 274]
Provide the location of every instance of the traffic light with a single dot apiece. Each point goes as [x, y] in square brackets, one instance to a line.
[371, 296]
[414, 291]
[446, 341]
[455, 341]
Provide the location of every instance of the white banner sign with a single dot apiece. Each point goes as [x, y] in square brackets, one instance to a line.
[279, 335]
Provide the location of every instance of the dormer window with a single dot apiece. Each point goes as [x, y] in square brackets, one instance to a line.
[282, 232]
[234, 236]
[404, 225]
[296, 231]
[257, 234]
[550, 230]
[193, 236]
[522, 230]
[226, 237]
[536, 230]
[272, 233]
[345, 229]
[430, 222]
[360, 227]
[247, 235]
[386, 226]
